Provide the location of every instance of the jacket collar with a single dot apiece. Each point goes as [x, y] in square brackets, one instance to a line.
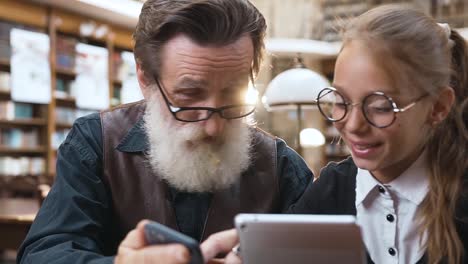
[136, 139]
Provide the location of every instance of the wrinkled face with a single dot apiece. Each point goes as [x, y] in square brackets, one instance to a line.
[385, 152]
[205, 155]
[206, 76]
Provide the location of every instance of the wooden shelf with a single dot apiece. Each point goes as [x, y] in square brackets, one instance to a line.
[4, 63]
[62, 125]
[66, 102]
[9, 178]
[15, 152]
[24, 12]
[17, 210]
[5, 96]
[23, 122]
[117, 82]
[26, 183]
[65, 72]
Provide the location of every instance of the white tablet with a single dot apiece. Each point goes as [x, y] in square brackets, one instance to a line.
[272, 238]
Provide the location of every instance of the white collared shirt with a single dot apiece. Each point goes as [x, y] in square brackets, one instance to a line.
[387, 213]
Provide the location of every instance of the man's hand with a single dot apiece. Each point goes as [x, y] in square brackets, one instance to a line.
[134, 249]
[221, 242]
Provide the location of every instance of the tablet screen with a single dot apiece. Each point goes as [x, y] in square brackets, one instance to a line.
[271, 238]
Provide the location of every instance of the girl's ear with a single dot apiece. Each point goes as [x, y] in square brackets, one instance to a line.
[143, 82]
[442, 105]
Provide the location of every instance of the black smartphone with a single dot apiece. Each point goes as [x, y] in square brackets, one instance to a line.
[156, 233]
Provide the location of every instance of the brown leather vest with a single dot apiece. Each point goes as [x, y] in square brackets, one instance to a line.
[138, 192]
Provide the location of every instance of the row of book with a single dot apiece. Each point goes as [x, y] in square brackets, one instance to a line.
[66, 52]
[117, 96]
[66, 56]
[58, 137]
[66, 115]
[64, 88]
[333, 11]
[19, 138]
[453, 12]
[86, 80]
[5, 49]
[123, 65]
[5, 43]
[10, 110]
[4, 81]
[336, 13]
[10, 166]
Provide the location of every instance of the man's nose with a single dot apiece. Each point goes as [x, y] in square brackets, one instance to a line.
[214, 126]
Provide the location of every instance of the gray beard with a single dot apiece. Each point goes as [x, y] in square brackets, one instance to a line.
[198, 167]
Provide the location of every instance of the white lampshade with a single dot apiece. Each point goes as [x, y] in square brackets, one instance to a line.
[311, 137]
[294, 86]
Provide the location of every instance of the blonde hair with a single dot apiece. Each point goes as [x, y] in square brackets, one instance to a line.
[421, 55]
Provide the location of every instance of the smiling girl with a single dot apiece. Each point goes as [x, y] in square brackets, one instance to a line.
[398, 97]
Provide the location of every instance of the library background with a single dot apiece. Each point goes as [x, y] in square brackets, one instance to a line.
[60, 60]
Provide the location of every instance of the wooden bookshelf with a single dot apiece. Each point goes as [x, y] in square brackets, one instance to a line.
[25, 183]
[4, 65]
[16, 217]
[5, 96]
[28, 122]
[21, 177]
[18, 152]
[62, 125]
[24, 12]
[56, 23]
[117, 82]
[66, 102]
[65, 72]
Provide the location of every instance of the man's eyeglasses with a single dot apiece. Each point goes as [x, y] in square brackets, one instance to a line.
[195, 114]
[379, 109]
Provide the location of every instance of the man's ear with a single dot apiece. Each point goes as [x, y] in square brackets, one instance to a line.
[442, 105]
[143, 82]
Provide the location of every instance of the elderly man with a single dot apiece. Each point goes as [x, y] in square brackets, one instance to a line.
[187, 156]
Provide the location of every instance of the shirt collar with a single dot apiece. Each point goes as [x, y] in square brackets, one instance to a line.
[136, 139]
[365, 183]
[412, 184]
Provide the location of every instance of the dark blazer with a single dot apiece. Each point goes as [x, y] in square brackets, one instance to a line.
[334, 192]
